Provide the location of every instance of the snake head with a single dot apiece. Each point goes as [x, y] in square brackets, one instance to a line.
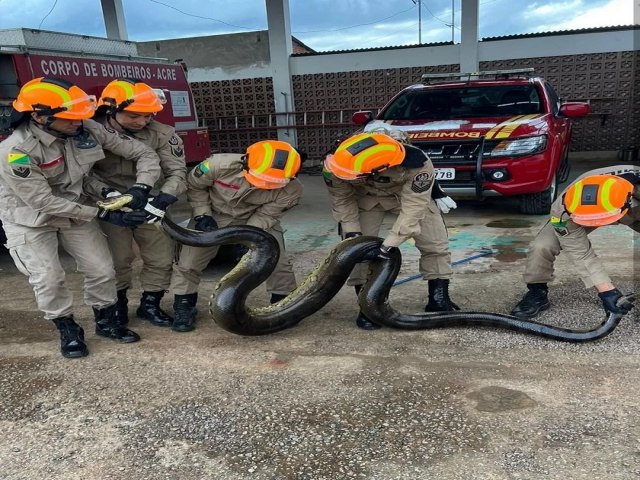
[116, 202]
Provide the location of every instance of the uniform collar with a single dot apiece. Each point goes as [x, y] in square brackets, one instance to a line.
[42, 136]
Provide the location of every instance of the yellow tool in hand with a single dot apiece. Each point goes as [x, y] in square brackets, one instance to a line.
[115, 202]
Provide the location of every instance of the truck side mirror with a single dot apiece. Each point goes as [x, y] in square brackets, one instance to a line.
[362, 117]
[574, 109]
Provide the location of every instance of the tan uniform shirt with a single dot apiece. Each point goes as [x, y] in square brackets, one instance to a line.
[42, 176]
[406, 189]
[119, 172]
[217, 185]
[573, 238]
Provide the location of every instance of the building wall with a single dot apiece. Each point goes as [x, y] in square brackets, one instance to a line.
[600, 67]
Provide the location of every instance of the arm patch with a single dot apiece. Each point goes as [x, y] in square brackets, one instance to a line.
[421, 182]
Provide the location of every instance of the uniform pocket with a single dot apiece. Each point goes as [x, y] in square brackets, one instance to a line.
[13, 245]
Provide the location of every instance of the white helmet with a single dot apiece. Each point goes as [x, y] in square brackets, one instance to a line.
[396, 134]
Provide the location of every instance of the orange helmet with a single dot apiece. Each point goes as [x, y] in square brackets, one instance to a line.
[364, 154]
[55, 97]
[271, 164]
[131, 95]
[598, 200]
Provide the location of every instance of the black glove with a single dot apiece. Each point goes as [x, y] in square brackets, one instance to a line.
[205, 223]
[163, 200]
[381, 253]
[352, 235]
[157, 206]
[610, 299]
[122, 219]
[139, 192]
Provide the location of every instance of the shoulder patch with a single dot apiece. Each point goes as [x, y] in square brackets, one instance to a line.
[421, 182]
[20, 164]
[201, 169]
[174, 140]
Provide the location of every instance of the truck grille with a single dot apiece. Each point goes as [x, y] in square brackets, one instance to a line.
[452, 153]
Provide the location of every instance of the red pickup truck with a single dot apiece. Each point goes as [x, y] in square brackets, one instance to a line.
[504, 135]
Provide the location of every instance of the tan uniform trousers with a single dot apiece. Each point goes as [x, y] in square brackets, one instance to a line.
[193, 260]
[432, 242]
[35, 253]
[157, 251]
[546, 247]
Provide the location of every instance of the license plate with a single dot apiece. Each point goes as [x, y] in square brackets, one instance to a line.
[445, 173]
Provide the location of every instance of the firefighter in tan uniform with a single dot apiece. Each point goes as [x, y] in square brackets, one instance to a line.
[371, 174]
[43, 204]
[128, 106]
[599, 197]
[255, 189]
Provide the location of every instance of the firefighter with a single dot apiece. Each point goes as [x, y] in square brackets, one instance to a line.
[128, 106]
[254, 189]
[371, 174]
[599, 197]
[42, 204]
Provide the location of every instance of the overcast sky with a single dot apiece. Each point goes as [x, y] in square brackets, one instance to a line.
[321, 24]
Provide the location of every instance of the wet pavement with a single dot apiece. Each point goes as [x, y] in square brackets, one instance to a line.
[325, 400]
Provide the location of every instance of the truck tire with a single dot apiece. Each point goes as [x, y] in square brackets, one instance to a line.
[540, 203]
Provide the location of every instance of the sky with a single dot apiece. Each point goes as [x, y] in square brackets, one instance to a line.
[323, 25]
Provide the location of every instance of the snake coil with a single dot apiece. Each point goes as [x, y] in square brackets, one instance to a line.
[228, 300]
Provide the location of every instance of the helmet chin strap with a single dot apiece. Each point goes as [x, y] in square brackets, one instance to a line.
[127, 130]
[47, 127]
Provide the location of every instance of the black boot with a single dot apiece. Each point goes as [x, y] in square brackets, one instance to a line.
[361, 320]
[149, 309]
[185, 311]
[533, 302]
[439, 300]
[108, 326]
[71, 338]
[122, 308]
[276, 297]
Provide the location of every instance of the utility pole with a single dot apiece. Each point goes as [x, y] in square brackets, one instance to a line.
[419, 3]
[453, 20]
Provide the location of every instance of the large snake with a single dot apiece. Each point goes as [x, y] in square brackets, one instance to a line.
[228, 300]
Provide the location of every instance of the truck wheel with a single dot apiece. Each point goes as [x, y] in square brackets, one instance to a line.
[540, 203]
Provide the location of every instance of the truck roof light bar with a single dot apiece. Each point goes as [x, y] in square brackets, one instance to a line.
[521, 72]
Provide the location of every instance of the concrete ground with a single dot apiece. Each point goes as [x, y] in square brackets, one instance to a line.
[325, 400]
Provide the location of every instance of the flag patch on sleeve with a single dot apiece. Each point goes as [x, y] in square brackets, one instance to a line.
[19, 164]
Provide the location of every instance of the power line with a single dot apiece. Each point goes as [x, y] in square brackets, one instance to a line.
[355, 26]
[200, 16]
[45, 17]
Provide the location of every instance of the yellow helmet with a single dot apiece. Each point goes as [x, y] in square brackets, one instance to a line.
[364, 154]
[55, 97]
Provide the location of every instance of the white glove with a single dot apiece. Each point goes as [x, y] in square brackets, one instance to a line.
[113, 193]
[445, 204]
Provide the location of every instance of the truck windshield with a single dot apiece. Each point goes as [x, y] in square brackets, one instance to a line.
[451, 103]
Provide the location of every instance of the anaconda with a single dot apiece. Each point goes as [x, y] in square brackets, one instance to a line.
[228, 300]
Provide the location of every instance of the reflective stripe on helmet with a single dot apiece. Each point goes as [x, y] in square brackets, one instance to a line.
[66, 97]
[367, 153]
[605, 196]
[268, 157]
[577, 195]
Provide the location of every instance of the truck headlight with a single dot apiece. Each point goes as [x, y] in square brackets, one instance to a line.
[519, 147]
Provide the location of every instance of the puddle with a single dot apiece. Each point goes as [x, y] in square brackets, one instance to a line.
[499, 399]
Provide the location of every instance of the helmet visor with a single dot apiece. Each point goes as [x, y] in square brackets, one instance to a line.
[338, 170]
[266, 182]
[78, 108]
